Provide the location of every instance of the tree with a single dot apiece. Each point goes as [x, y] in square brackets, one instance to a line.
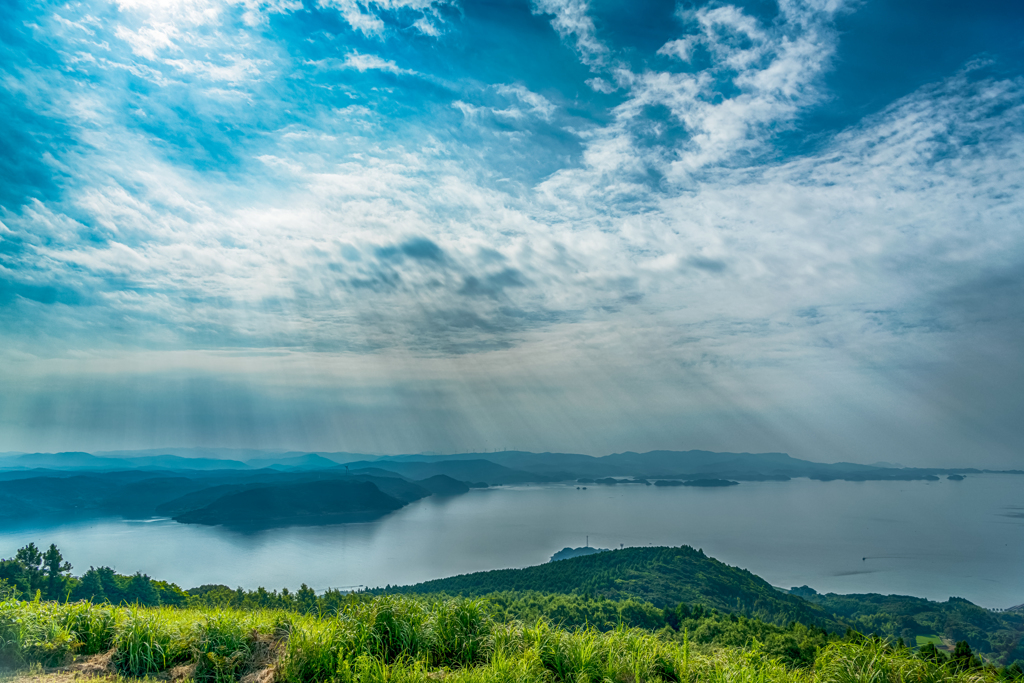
[306, 598]
[13, 575]
[57, 572]
[91, 587]
[26, 571]
[963, 658]
[32, 560]
[930, 652]
[140, 590]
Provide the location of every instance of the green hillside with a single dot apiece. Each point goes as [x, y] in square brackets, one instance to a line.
[681, 578]
[663, 577]
[910, 618]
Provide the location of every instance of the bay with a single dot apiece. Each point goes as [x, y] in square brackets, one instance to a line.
[928, 539]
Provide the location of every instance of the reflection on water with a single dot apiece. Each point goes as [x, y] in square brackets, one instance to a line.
[933, 539]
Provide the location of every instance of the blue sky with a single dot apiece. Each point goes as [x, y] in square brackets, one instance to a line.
[413, 225]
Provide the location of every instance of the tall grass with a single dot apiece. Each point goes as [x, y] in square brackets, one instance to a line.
[402, 640]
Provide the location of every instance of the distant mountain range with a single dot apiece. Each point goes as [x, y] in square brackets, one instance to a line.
[326, 488]
[504, 467]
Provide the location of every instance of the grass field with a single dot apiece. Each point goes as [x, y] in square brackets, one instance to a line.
[401, 640]
[934, 640]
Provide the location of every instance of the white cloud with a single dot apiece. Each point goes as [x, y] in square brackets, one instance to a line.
[362, 63]
[179, 12]
[468, 110]
[775, 68]
[681, 49]
[257, 11]
[601, 85]
[753, 238]
[571, 19]
[538, 104]
[194, 13]
[238, 69]
[365, 62]
[427, 27]
[366, 16]
[522, 107]
[357, 17]
[148, 40]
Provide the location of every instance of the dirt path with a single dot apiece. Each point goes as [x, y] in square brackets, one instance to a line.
[94, 669]
[40, 675]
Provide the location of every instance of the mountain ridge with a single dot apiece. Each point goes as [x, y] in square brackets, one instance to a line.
[504, 467]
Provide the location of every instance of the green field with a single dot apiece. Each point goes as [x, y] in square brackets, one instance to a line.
[934, 640]
[393, 639]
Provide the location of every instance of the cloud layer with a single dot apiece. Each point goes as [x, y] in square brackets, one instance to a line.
[375, 226]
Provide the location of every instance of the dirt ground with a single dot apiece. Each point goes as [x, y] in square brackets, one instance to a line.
[95, 669]
[98, 669]
[40, 675]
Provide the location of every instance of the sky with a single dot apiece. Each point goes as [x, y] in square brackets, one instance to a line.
[395, 226]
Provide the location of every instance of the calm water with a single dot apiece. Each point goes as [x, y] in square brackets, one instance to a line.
[931, 539]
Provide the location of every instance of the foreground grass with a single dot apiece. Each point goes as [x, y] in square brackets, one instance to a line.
[400, 640]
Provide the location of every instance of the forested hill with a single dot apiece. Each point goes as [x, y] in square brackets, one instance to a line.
[664, 577]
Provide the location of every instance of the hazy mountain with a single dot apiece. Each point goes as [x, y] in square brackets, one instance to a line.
[670, 465]
[556, 465]
[128, 494]
[309, 461]
[374, 472]
[73, 460]
[475, 470]
[195, 500]
[176, 462]
[443, 485]
[240, 454]
[310, 503]
[504, 467]
[87, 461]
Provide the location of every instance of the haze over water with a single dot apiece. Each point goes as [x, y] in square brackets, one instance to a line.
[928, 539]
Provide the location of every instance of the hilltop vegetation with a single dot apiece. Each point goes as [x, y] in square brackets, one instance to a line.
[668, 577]
[663, 577]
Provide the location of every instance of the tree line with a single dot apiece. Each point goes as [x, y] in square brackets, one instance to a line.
[44, 574]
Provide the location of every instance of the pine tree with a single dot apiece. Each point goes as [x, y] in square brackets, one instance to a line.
[57, 571]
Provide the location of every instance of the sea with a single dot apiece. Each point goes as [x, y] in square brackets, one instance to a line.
[932, 539]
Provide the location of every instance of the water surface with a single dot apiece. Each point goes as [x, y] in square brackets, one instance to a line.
[930, 539]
